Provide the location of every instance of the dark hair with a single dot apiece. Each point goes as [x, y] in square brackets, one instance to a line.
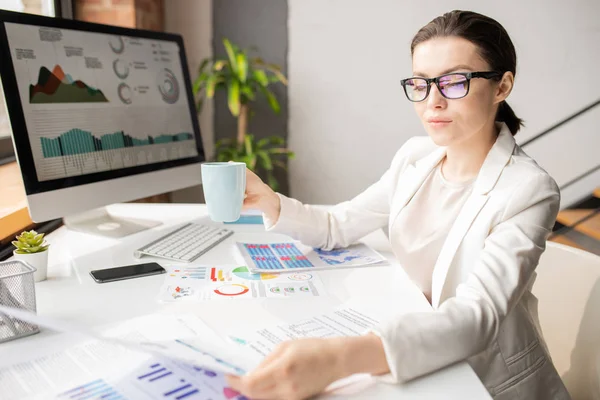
[494, 44]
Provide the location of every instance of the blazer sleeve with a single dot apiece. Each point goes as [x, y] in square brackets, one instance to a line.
[346, 222]
[464, 325]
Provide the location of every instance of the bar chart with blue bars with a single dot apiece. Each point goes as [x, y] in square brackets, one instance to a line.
[158, 378]
[277, 256]
[95, 390]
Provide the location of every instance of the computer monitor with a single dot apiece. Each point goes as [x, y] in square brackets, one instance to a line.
[99, 115]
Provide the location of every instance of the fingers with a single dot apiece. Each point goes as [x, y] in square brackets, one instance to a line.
[235, 382]
[262, 382]
[250, 386]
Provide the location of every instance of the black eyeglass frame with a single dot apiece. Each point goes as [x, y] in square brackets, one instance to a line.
[468, 76]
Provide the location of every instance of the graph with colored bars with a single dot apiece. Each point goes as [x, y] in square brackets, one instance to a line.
[166, 382]
[159, 381]
[277, 256]
[198, 273]
[97, 389]
[79, 141]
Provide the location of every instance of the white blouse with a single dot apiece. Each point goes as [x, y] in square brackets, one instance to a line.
[419, 231]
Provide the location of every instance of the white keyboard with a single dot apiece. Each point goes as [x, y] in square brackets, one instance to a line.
[186, 243]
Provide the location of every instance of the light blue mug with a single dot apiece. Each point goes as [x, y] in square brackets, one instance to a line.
[224, 185]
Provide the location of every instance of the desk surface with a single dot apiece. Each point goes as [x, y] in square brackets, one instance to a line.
[71, 295]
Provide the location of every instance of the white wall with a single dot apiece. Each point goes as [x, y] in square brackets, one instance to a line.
[348, 114]
[193, 20]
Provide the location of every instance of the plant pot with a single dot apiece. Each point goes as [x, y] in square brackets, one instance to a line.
[37, 260]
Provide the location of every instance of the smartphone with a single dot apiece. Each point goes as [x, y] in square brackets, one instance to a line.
[126, 272]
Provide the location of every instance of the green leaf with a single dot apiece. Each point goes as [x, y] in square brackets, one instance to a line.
[272, 100]
[260, 77]
[242, 64]
[199, 82]
[265, 160]
[277, 140]
[248, 92]
[263, 143]
[250, 161]
[218, 65]
[233, 98]
[278, 150]
[272, 181]
[231, 55]
[199, 104]
[277, 72]
[210, 86]
[280, 164]
[227, 142]
[248, 144]
[273, 68]
[203, 64]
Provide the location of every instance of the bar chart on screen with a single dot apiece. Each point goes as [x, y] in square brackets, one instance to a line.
[67, 143]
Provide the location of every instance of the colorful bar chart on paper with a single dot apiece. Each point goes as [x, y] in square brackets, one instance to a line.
[199, 273]
[97, 389]
[291, 256]
[218, 274]
[171, 385]
[277, 256]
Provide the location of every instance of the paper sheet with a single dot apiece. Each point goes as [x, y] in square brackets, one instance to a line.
[110, 366]
[227, 283]
[294, 256]
[342, 321]
[99, 370]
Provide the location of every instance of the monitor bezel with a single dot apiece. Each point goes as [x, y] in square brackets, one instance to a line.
[23, 151]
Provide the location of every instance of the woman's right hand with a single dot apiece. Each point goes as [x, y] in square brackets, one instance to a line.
[259, 196]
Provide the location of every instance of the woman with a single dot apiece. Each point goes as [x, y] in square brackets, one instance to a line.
[468, 213]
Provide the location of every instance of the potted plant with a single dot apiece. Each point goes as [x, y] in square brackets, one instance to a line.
[31, 248]
[244, 78]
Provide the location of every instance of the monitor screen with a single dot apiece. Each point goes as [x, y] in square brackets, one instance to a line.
[96, 104]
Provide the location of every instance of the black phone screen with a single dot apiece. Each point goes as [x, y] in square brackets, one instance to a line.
[126, 272]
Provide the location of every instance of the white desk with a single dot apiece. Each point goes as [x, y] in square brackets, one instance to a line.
[71, 294]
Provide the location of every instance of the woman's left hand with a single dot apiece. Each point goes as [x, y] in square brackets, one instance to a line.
[294, 370]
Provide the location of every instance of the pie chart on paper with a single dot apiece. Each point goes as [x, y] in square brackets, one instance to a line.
[244, 273]
[234, 289]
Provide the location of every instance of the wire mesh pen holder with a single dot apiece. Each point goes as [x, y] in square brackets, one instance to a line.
[17, 290]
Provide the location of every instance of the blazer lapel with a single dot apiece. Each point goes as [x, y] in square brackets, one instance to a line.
[497, 158]
[411, 180]
[457, 232]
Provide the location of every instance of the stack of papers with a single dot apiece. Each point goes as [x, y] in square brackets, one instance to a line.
[153, 357]
[156, 357]
[232, 283]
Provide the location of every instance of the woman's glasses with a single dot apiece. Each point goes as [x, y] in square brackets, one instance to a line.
[451, 86]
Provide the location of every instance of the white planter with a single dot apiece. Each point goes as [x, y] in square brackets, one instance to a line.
[37, 260]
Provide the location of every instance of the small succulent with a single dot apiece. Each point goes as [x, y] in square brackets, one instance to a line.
[30, 242]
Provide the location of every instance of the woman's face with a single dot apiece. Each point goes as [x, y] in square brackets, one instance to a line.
[449, 122]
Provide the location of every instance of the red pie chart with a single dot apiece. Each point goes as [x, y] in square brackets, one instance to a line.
[234, 289]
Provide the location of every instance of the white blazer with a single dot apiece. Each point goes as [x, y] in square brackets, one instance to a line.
[483, 308]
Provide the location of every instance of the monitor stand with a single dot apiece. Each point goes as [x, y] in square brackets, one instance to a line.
[100, 222]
